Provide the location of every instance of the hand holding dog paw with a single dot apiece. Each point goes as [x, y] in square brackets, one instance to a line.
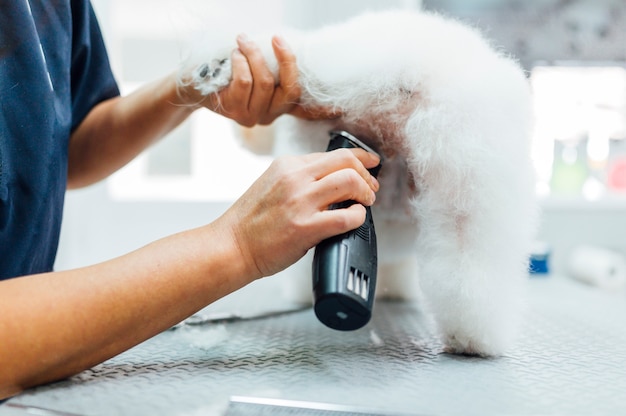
[285, 212]
[248, 91]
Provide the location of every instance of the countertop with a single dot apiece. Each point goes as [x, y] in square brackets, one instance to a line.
[571, 359]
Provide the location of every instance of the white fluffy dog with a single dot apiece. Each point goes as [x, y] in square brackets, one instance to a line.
[452, 118]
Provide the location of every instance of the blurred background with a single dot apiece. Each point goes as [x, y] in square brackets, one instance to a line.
[574, 53]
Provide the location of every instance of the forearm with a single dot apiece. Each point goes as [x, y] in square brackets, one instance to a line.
[56, 325]
[117, 130]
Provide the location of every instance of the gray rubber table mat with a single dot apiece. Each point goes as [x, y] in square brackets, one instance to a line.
[570, 360]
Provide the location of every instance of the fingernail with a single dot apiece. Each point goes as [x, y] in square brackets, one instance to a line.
[243, 38]
[281, 43]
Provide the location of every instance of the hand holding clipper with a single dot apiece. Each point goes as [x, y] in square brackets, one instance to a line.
[345, 266]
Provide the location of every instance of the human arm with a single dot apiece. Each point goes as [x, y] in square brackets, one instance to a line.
[57, 324]
[117, 130]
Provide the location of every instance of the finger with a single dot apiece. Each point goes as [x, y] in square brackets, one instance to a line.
[315, 112]
[263, 80]
[323, 164]
[342, 185]
[287, 92]
[233, 100]
[338, 221]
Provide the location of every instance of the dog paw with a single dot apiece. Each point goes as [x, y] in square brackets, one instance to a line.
[211, 77]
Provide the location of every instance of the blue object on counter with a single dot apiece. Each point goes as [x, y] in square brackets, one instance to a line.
[540, 259]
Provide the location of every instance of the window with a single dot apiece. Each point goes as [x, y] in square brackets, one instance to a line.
[580, 136]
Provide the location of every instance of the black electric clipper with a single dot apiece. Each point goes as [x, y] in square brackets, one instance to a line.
[345, 266]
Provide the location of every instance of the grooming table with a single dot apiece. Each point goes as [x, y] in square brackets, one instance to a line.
[570, 360]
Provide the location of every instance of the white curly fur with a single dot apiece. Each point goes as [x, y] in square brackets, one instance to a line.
[452, 118]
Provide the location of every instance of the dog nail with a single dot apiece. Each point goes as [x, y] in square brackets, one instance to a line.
[280, 42]
[203, 71]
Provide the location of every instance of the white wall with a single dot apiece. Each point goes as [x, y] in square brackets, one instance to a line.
[567, 224]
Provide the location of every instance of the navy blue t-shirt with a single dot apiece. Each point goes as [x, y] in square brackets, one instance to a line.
[53, 70]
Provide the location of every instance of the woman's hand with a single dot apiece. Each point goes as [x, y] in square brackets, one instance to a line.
[285, 212]
[253, 96]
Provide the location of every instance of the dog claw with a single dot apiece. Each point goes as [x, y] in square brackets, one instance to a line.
[203, 71]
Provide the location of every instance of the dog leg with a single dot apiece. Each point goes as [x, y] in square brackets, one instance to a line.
[472, 251]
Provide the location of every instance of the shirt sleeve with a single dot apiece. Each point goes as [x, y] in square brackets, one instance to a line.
[92, 79]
